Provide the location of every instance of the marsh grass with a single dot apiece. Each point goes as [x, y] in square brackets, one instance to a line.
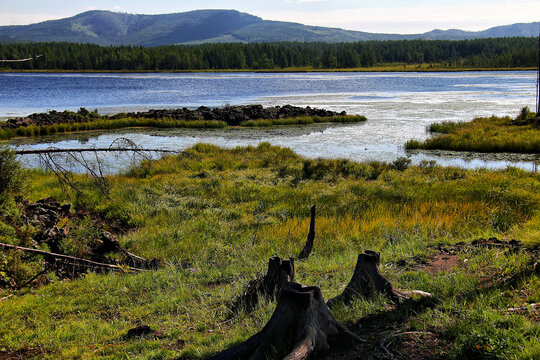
[105, 123]
[304, 120]
[214, 217]
[493, 134]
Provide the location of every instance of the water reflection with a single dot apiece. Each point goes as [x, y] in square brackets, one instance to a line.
[329, 141]
[399, 107]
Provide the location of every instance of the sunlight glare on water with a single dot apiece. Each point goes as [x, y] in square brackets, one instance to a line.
[398, 106]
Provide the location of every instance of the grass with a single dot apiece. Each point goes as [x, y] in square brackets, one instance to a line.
[128, 122]
[304, 120]
[214, 217]
[106, 124]
[493, 134]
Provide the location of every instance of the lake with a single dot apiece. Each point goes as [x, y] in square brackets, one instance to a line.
[398, 106]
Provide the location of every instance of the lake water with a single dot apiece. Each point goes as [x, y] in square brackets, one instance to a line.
[398, 106]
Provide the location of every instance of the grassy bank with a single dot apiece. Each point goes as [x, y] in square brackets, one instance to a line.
[215, 216]
[109, 124]
[303, 120]
[493, 134]
[122, 123]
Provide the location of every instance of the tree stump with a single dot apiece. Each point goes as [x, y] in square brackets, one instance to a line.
[301, 325]
[367, 280]
[304, 254]
[280, 271]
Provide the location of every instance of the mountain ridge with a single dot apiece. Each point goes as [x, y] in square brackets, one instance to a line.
[212, 26]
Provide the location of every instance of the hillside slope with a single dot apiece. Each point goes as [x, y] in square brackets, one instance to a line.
[200, 26]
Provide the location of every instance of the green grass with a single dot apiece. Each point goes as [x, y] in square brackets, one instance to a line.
[107, 124]
[215, 216]
[112, 124]
[493, 134]
[304, 120]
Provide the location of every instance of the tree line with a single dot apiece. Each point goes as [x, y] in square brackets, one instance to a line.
[479, 53]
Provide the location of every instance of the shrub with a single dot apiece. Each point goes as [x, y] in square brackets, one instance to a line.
[10, 172]
[525, 114]
[444, 127]
[401, 163]
[427, 164]
[413, 144]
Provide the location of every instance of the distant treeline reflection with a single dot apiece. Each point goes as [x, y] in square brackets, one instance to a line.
[480, 53]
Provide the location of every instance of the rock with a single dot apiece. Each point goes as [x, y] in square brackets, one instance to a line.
[232, 115]
[142, 331]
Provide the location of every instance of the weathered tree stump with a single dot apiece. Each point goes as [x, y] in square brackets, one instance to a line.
[302, 325]
[367, 280]
[280, 271]
[304, 254]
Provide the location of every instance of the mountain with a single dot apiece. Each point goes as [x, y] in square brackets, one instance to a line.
[199, 26]
[111, 28]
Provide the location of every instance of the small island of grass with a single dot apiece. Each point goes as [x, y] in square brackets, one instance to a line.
[55, 122]
[489, 135]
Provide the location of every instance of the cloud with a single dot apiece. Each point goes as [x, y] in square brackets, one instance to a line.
[410, 19]
[25, 19]
[111, 8]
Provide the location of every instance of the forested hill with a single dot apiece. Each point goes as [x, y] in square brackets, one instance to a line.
[499, 53]
[213, 26]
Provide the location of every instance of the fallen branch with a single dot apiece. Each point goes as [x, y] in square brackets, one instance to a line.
[42, 272]
[55, 150]
[386, 351]
[75, 260]
[412, 333]
[21, 60]
[524, 308]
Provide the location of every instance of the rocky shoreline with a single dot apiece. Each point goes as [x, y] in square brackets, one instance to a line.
[232, 115]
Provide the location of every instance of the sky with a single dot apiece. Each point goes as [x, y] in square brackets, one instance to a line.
[384, 16]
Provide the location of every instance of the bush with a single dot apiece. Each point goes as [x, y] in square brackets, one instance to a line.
[401, 163]
[427, 164]
[10, 172]
[525, 114]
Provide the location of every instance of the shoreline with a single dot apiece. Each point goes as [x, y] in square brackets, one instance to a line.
[398, 69]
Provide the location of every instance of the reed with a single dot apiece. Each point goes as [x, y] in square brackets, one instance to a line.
[304, 120]
[165, 123]
[488, 135]
[108, 124]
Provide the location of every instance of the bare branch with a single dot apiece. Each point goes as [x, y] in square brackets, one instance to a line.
[81, 150]
[21, 60]
[54, 159]
[80, 261]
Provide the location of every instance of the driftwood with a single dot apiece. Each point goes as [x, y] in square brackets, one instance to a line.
[367, 280]
[302, 325]
[21, 60]
[79, 150]
[280, 271]
[304, 254]
[75, 261]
